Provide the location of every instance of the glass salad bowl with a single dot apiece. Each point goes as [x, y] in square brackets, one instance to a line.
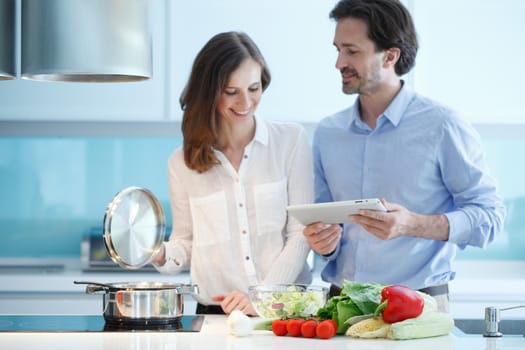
[287, 300]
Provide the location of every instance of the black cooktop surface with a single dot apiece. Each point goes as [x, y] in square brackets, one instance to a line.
[74, 323]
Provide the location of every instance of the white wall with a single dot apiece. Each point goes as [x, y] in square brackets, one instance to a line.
[295, 36]
[470, 53]
[470, 58]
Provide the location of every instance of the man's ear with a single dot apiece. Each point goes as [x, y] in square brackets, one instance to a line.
[392, 56]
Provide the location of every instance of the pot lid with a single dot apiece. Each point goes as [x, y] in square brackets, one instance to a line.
[134, 227]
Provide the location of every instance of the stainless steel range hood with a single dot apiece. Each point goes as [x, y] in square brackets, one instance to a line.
[86, 40]
[7, 40]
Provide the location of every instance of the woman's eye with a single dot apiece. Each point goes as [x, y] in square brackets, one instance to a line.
[254, 89]
[230, 92]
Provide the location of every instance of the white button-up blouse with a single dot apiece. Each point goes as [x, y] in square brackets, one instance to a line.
[231, 228]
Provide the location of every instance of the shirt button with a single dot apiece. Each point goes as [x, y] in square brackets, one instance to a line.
[245, 156]
[240, 205]
[243, 232]
[247, 258]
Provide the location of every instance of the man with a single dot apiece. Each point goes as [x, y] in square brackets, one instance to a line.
[424, 162]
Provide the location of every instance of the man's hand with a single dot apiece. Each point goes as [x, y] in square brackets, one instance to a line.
[322, 239]
[399, 221]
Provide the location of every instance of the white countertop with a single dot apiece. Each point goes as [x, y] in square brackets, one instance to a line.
[213, 335]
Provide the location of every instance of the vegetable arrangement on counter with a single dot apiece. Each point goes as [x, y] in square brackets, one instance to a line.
[362, 310]
[371, 310]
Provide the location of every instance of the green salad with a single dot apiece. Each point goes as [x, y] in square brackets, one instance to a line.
[292, 302]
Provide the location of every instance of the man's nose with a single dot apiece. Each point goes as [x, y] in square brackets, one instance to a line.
[339, 62]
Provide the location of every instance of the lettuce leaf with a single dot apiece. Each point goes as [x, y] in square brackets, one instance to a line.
[345, 309]
[355, 299]
[367, 296]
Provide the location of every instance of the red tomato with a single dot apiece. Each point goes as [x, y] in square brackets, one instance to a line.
[308, 328]
[334, 323]
[294, 327]
[279, 327]
[325, 329]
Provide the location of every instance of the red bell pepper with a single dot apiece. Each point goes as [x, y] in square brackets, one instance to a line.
[399, 303]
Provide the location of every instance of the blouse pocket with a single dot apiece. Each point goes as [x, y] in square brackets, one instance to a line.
[270, 203]
[210, 219]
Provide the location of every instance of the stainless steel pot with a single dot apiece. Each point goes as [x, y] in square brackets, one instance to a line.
[143, 302]
[134, 229]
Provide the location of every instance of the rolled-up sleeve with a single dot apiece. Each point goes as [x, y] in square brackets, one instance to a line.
[479, 211]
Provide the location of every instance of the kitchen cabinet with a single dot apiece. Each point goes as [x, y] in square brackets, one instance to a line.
[50, 303]
[478, 284]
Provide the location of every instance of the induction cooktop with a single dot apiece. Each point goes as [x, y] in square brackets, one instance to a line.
[92, 323]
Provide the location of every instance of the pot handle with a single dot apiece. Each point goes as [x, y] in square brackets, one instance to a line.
[94, 287]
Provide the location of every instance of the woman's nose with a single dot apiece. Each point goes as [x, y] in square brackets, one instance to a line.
[244, 101]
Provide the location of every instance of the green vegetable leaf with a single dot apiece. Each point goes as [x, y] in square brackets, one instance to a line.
[346, 308]
[355, 299]
[367, 296]
[326, 312]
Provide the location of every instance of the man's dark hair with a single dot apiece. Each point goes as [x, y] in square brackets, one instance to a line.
[389, 25]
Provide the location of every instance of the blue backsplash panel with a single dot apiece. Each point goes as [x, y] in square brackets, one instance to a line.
[54, 190]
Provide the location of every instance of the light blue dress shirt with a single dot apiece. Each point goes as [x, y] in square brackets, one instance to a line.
[420, 155]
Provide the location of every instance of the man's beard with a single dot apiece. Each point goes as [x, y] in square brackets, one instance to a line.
[358, 85]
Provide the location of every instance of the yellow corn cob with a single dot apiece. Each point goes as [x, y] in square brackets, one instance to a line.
[370, 328]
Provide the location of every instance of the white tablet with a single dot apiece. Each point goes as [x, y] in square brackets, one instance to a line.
[332, 212]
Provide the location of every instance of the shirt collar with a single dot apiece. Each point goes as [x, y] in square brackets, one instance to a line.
[395, 110]
[261, 132]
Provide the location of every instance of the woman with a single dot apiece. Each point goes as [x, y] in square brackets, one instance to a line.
[231, 181]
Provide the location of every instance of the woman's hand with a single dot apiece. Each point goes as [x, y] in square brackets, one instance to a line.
[160, 258]
[236, 300]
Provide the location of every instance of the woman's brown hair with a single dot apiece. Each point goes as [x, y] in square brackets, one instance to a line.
[210, 73]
